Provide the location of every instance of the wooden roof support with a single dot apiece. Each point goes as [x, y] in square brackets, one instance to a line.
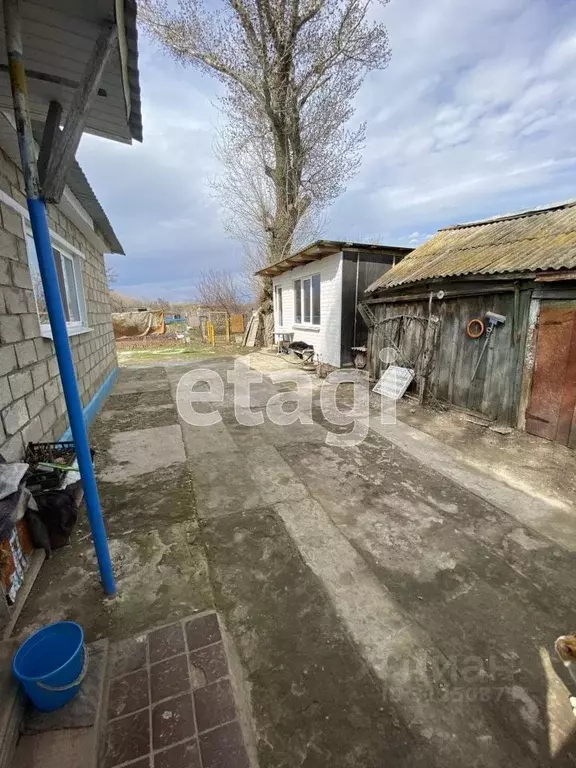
[64, 143]
[51, 129]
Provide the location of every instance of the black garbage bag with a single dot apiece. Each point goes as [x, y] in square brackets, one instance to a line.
[51, 525]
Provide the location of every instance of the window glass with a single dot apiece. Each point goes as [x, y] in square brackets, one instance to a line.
[306, 291]
[61, 283]
[316, 299]
[36, 281]
[279, 308]
[297, 301]
[71, 291]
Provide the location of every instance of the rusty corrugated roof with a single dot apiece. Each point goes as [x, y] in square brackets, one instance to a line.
[539, 239]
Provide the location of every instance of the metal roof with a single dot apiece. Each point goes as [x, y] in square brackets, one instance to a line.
[58, 38]
[84, 193]
[527, 241]
[78, 185]
[321, 248]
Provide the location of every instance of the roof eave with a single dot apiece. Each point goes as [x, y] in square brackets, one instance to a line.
[546, 274]
[319, 249]
[131, 34]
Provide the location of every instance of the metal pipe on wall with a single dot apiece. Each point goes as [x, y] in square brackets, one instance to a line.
[41, 234]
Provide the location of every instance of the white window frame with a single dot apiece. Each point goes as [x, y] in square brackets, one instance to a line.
[76, 259]
[306, 287]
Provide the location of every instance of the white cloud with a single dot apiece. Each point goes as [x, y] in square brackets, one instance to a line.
[479, 115]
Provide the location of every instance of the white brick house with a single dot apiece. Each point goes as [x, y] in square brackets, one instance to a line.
[316, 293]
[68, 50]
[32, 406]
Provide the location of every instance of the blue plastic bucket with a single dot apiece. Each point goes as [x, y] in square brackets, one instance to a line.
[51, 664]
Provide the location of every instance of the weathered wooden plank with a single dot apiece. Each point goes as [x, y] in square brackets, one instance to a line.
[49, 134]
[66, 142]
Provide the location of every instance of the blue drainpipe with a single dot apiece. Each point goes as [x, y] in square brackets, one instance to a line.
[39, 223]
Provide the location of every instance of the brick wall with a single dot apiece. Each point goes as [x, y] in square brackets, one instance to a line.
[32, 406]
[326, 338]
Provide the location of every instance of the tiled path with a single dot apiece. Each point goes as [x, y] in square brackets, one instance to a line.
[171, 704]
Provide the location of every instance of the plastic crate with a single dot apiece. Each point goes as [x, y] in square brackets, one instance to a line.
[46, 478]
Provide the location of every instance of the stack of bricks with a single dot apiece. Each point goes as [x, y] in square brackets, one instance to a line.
[32, 406]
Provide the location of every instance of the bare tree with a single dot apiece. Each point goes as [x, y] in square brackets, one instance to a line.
[292, 68]
[219, 289]
[247, 194]
[111, 275]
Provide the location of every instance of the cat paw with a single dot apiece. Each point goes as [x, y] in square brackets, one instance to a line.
[573, 704]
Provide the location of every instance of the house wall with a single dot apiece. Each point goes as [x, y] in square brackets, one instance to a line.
[495, 390]
[326, 338]
[32, 406]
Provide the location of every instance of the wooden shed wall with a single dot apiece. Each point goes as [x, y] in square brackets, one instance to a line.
[495, 390]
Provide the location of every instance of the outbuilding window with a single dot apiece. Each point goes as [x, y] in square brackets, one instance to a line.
[297, 301]
[310, 300]
[279, 307]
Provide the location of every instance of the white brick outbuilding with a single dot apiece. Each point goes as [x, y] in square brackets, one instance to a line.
[317, 290]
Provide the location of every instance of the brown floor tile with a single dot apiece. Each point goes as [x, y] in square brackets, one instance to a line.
[127, 655]
[169, 678]
[224, 748]
[185, 755]
[173, 721]
[127, 739]
[166, 642]
[128, 693]
[211, 661]
[214, 705]
[202, 631]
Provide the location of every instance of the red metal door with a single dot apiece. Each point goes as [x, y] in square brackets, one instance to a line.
[552, 410]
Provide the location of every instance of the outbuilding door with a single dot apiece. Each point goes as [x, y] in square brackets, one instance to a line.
[551, 412]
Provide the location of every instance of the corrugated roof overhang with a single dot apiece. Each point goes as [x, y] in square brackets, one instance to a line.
[322, 248]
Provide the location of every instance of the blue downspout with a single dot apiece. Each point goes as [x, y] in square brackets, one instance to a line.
[39, 223]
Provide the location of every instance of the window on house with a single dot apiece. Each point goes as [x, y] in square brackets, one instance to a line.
[69, 272]
[309, 302]
[297, 301]
[306, 292]
[279, 308]
[315, 299]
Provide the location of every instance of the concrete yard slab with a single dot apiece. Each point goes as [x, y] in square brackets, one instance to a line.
[548, 519]
[140, 451]
[315, 701]
[68, 748]
[141, 503]
[223, 484]
[159, 415]
[140, 385]
[200, 441]
[161, 573]
[150, 515]
[273, 476]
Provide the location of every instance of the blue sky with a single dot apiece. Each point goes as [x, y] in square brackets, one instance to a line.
[474, 116]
